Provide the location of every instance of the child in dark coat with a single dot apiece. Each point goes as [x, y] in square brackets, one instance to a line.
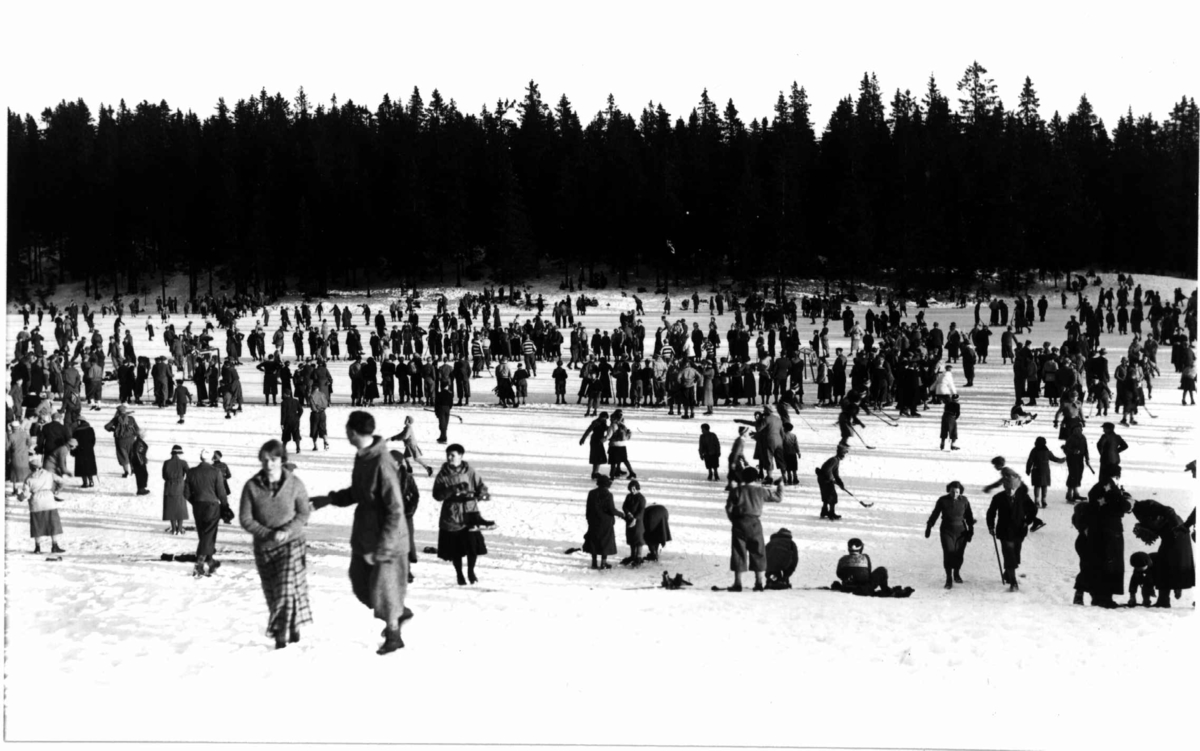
[1037, 466]
[560, 384]
[1143, 577]
[782, 558]
[710, 451]
[791, 456]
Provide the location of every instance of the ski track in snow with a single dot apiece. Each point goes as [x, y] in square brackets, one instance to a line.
[125, 642]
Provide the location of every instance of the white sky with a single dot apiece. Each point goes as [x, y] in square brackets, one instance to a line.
[1142, 55]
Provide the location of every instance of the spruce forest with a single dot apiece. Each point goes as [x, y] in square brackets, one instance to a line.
[936, 189]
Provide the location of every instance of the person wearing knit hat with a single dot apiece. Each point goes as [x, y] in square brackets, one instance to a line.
[856, 574]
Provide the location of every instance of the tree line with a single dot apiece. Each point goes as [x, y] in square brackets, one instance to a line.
[932, 191]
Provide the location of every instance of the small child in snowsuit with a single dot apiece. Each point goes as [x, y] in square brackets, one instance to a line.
[710, 452]
[791, 455]
[183, 397]
[1142, 578]
[560, 384]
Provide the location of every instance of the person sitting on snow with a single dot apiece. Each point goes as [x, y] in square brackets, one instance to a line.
[1018, 416]
[856, 575]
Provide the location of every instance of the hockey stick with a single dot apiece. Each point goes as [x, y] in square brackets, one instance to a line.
[999, 565]
[882, 419]
[451, 414]
[859, 437]
[1143, 407]
[862, 503]
[806, 422]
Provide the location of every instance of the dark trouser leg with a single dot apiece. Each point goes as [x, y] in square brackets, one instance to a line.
[879, 579]
[208, 519]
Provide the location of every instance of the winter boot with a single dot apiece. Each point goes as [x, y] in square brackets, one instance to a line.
[957, 577]
[391, 642]
[949, 581]
[1078, 597]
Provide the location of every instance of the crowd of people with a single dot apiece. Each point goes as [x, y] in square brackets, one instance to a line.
[761, 360]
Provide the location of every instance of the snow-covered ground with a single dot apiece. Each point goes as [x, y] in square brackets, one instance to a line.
[111, 644]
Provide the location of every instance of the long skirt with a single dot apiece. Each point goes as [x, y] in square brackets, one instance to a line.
[381, 587]
[285, 585]
[954, 544]
[600, 538]
[44, 523]
[453, 545]
[124, 445]
[596, 453]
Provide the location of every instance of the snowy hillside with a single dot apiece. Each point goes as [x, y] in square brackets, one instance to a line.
[112, 644]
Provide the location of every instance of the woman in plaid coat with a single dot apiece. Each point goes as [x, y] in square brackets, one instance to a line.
[275, 510]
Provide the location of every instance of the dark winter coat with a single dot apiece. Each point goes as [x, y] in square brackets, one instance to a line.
[206, 484]
[634, 509]
[1103, 564]
[956, 530]
[1037, 466]
[782, 555]
[174, 472]
[1009, 514]
[375, 493]
[1176, 567]
[600, 512]
[85, 450]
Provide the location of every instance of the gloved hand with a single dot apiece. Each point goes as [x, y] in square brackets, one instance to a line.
[580, 441]
[928, 531]
[970, 535]
[991, 530]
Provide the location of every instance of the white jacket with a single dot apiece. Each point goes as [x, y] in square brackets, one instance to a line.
[943, 385]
